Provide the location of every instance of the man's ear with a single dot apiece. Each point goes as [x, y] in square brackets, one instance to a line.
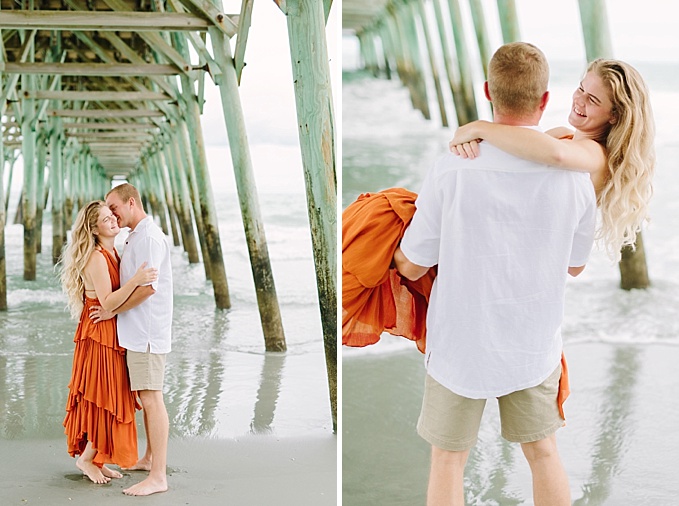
[486, 92]
[544, 100]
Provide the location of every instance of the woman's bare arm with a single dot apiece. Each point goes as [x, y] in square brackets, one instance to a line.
[583, 155]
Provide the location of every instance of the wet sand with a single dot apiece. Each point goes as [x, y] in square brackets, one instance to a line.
[618, 447]
[248, 471]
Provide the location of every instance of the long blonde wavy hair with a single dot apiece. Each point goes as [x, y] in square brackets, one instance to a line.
[76, 255]
[631, 156]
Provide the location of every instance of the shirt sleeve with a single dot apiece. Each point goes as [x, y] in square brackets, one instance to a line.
[584, 237]
[420, 243]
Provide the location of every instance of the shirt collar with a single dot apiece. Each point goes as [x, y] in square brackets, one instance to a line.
[142, 224]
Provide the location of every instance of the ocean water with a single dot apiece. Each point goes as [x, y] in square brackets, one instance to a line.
[620, 345]
[220, 383]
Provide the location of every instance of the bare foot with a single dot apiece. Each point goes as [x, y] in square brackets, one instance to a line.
[110, 473]
[91, 471]
[142, 464]
[147, 487]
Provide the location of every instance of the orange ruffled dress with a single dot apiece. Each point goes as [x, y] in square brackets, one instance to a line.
[375, 297]
[100, 406]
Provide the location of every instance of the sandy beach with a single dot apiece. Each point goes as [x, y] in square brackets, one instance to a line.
[254, 470]
[618, 445]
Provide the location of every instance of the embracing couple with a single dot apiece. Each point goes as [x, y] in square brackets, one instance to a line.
[501, 224]
[124, 308]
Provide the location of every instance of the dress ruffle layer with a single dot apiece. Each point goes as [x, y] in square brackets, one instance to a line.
[100, 406]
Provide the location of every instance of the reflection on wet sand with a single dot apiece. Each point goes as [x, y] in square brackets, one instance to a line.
[616, 427]
[268, 393]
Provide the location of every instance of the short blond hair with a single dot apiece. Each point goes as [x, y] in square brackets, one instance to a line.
[518, 75]
[126, 192]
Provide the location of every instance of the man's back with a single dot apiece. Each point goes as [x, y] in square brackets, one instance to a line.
[503, 232]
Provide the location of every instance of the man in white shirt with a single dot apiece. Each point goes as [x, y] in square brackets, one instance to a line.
[504, 233]
[144, 328]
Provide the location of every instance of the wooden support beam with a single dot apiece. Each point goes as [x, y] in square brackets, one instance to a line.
[110, 126]
[110, 135]
[130, 21]
[227, 24]
[91, 69]
[106, 113]
[241, 40]
[103, 96]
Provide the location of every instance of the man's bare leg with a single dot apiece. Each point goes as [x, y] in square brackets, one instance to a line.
[157, 430]
[144, 463]
[85, 464]
[550, 482]
[446, 477]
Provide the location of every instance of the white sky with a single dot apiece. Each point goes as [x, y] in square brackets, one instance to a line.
[266, 90]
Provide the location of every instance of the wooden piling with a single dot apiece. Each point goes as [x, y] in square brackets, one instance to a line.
[41, 162]
[3, 219]
[595, 29]
[311, 77]
[451, 70]
[57, 183]
[466, 84]
[509, 21]
[422, 14]
[267, 300]
[481, 31]
[412, 42]
[29, 203]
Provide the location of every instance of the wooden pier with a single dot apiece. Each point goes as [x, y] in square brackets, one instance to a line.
[102, 90]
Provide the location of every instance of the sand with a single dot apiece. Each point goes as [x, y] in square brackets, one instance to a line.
[248, 471]
[618, 447]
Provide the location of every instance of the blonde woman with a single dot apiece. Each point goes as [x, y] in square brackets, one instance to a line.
[613, 141]
[100, 411]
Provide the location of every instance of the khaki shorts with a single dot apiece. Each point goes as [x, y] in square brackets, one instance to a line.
[451, 422]
[147, 370]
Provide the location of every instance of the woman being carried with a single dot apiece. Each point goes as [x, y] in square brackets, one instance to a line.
[613, 141]
[100, 411]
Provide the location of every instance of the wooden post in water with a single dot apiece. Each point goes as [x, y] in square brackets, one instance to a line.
[311, 76]
[451, 71]
[509, 20]
[29, 203]
[412, 43]
[166, 193]
[267, 300]
[466, 83]
[481, 34]
[3, 219]
[183, 198]
[386, 50]
[57, 183]
[595, 29]
[633, 267]
[41, 165]
[422, 14]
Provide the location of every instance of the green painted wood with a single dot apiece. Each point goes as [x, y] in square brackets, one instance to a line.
[466, 83]
[267, 299]
[12, 160]
[184, 147]
[407, 22]
[164, 182]
[40, 190]
[386, 52]
[29, 202]
[424, 23]
[57, 184]
[481, 31]
[509, 21]
[595, 29]
[183, 199]
[3, 220]
[313, 97]
[452, 70]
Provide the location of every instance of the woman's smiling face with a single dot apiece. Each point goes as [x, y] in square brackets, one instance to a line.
[591, 112]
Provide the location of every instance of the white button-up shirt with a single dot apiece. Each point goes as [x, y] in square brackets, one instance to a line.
[503, 232]
[150, 323]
